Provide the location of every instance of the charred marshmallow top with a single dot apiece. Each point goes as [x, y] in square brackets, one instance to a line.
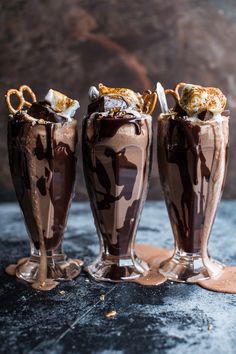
[196, 99]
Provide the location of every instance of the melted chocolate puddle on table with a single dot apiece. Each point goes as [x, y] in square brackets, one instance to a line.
[153, 256]
[225, 283]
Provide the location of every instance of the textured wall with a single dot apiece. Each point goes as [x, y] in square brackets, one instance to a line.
[71, 44]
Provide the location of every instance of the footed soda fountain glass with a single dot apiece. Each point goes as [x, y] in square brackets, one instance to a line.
[192, 161]
[117, 159]
[42, 156]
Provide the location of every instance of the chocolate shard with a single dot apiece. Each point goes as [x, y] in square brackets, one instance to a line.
[180, 112]
[106, 103]
[205, 115]
[42, 110]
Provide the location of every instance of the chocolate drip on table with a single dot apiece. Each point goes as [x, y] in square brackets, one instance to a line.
[224, 283]
[153, 256]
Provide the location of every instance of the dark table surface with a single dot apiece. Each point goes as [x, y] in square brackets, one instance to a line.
[170, 318]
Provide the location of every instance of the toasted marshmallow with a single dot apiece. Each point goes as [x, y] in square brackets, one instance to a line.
[195, 99]
[62, 104]
[133, 99]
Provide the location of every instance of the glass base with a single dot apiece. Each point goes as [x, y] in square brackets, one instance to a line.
[190, 267]
[59, 267]
[116, 269]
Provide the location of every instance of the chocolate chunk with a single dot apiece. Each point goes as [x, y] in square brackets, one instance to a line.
[180, 112]
[205, 115]
[42, 110]
[106, 103]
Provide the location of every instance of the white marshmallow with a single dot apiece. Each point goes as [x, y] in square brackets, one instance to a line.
[60, 103]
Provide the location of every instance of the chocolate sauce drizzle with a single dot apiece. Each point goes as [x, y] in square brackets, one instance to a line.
[106, 170]
[55, 182]
[185, 158]
[107, 127]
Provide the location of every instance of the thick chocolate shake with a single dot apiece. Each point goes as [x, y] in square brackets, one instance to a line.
[117, 138]
[42, 156]
[192, 158]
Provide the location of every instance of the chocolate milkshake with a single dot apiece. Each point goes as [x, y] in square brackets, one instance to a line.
[42, 155]
[117, 138]
[192, 158]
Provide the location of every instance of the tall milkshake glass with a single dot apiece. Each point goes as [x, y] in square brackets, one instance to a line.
[192, 160]
[117, 160]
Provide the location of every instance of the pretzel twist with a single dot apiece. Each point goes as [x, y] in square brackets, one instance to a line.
[175, 92]
[180, 85]
[150, 100]
[172, 93]
[20, 95]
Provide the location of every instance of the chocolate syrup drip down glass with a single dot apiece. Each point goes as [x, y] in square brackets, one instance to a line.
[117, 161]
[43, 165]
[192, 160]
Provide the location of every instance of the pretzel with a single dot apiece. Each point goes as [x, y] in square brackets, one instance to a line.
[180, 85]
[175, 92]
[26, 88]
[20, 95]
[150, 100]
